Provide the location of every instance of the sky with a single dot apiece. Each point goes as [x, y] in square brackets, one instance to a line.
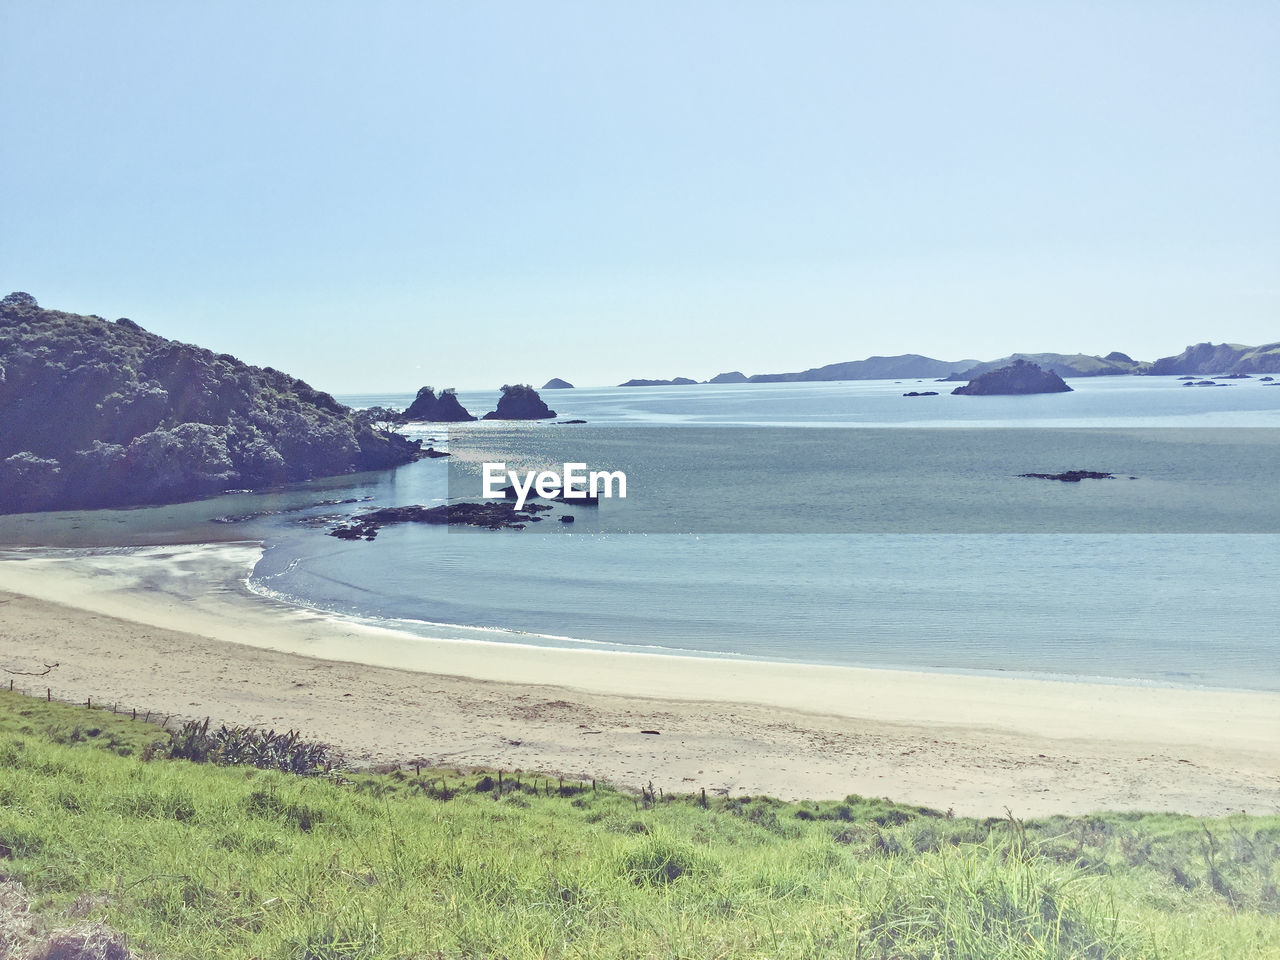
[376, 196]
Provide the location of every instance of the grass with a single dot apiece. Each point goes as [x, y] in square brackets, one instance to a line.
[203, 861]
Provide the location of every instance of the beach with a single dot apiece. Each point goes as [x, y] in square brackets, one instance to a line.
[176, 631]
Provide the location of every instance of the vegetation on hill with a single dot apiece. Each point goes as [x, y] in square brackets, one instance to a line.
[1206, 359]
[99, 414]
[207, 861]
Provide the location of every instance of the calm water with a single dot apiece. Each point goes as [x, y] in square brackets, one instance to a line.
[1159, 606]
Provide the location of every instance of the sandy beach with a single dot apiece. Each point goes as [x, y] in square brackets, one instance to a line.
[175, 630]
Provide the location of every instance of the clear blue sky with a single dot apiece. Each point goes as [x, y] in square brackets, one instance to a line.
[374, 196]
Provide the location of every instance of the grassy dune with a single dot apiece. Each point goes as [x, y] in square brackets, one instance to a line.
[204, 861]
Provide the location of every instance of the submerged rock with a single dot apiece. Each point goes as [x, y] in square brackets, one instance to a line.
[1018, 378]
[921, 393]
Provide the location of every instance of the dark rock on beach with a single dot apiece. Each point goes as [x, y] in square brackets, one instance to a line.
[1018, 378]
[520, 402]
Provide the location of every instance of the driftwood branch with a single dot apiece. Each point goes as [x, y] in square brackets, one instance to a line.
[31, 673]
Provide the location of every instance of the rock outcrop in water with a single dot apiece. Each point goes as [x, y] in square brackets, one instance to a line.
[1018, 378]
[520, 402]
[100, 414]
[442, 409]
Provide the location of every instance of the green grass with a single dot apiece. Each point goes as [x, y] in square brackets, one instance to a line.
[200, 861]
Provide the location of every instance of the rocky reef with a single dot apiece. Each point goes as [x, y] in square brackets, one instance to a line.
[491, 514]
[1018, 378]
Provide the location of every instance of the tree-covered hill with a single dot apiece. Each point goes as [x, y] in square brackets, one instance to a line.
[97, 414]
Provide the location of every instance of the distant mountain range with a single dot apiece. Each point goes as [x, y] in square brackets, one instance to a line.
[1205, 358]
[1199, 359]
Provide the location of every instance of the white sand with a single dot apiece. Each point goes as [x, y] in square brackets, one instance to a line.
[175, 630]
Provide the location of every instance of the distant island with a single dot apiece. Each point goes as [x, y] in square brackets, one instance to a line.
[1202, 359]
[555, 383]
[1018, 378]
[96, 413]
[1114, 364]
[676, 382]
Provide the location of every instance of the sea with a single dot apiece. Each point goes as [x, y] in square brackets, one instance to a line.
[826, 523]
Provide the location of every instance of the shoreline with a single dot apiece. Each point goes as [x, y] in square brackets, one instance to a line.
[559, 642]
[972, 743]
